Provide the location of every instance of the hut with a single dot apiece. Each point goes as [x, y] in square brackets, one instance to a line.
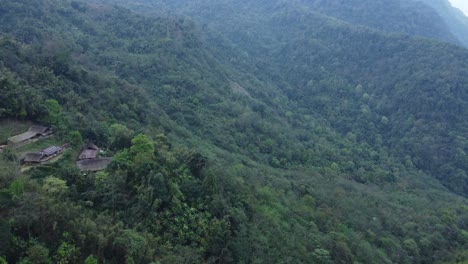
[88, 152]
[40, 130]
[33, 158]
[21, 138]
[32, 133]
[50, 152]
[42, 156]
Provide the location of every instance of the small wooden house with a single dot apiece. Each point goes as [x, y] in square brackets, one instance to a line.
[21, 138]
[89, 152]
[33, 158]
[42, 156]
[32, 133]
[40, 130]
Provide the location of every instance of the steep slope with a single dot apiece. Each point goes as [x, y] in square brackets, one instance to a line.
[281, 178]
[414, 91]
[408, 17]
[456, 21]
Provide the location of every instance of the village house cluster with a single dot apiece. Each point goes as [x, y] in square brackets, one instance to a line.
[88, 159]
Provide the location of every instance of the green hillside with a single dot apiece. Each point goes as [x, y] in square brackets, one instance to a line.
[255, 132]
[410, 92]
[455, 19]
[422, 18]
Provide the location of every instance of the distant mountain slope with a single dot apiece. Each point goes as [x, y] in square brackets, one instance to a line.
[399, 16]
[403, 16]
[455, 20]
[419, 85]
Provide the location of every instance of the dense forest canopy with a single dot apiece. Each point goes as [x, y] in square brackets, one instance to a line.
[240, 132]
[417, 85]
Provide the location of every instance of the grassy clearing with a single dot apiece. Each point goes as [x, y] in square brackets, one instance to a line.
[5, 164]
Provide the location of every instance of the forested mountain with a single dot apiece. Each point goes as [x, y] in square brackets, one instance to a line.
[409, 17]
[242, 132]
[426, 18]
[455, 20]
[401, 77]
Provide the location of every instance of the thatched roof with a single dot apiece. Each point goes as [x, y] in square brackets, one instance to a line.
[31, 133]
[91, 146]
[93, 164]
[38, 129]
[88, 154]
[22, 137]
[33, 157]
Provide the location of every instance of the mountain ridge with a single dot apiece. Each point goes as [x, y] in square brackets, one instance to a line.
[309, 168]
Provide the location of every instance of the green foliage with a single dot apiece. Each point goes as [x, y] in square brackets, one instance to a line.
[75, 138]
[8, 155]
[120, 137]
[291, 137]
[54, 112]
[5, 238]
[66, 253]
[38, 254]
[54, 186]
[91, 260]
[17, 188]
[142, 144]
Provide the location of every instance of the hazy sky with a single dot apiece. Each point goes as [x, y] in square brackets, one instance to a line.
[461, 4]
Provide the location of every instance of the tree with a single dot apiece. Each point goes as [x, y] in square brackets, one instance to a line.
[66, 253]
[120, 137]
[196, 163]
[38, 254]
[91, 260]
[54, 186]
[142, 144]
[411, 247]
[55, 116]
[75, 138]
[5, 237]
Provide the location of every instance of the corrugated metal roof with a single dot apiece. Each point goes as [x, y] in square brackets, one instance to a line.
[51, 150]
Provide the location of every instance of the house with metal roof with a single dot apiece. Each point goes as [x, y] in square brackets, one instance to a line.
[42, 156]
[52, 150]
